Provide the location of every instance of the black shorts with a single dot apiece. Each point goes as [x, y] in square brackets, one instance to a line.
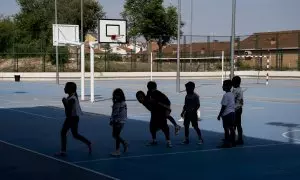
[158, 122]
[228, 120]
[190, 118]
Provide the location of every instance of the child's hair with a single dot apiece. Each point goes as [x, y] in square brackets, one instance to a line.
[140, 93]
[227, 83]
[151, 85]
[190, 85]
[236, 80]
[72, 87]
[121, 94]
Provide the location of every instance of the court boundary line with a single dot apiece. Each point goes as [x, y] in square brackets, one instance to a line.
[32, 114]
[179, 152]
[58, 160]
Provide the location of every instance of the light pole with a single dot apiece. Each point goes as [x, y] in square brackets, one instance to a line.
[56, 47]
[191, 37]
[232, 38]
[178, 47]
[81, 14]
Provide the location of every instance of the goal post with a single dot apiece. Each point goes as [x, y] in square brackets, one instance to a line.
[221, 58]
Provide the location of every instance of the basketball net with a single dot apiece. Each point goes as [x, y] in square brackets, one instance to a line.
[116, 37]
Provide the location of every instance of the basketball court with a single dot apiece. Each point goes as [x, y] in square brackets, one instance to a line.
[32, 115]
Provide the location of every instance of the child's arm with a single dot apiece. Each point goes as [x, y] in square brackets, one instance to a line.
[223, 103]
[68, 106]
[115, 112]
[221, 112]
[147, 105]
[183, 109]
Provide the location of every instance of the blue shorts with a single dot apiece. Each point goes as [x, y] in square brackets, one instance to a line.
[228, 120]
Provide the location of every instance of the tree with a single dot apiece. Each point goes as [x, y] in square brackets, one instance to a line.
[36, 17]
[7, 27]
[153, 21]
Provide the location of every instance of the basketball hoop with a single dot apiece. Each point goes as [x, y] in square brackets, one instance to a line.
[114, 37]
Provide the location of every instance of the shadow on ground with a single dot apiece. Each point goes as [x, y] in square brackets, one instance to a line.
[38, 129]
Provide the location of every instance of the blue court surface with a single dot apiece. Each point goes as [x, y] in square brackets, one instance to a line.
[32, 117]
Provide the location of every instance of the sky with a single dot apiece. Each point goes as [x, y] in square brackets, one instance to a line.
[213, 17]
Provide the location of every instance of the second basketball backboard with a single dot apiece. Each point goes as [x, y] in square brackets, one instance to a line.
[112, 31]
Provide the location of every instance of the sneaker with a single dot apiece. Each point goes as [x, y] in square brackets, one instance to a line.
[200, 142]
[125, 147]
[90, 148]
[116, 153]
[169, 145]
[152, 143]
[177, 129]
[185, 142]
[61, 154]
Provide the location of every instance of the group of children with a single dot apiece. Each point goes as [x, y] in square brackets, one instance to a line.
[159, 106]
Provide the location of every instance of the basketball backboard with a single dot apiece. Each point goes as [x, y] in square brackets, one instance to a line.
[65, 34]
[112, 31]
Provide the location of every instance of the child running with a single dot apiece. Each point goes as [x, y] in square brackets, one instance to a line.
[72, 111]
[227, 114]
[118, 119]
[239, 102]
[189, 112]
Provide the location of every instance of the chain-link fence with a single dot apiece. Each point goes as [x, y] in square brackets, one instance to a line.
[282, 48]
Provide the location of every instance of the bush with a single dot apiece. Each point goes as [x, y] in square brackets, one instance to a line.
[63, 56]
[114, 57]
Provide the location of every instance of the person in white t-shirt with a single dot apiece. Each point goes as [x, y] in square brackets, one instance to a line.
[227, 114]
[239, 102]
[72, 111]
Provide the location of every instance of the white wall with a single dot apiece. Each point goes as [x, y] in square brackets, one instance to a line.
[145, 75]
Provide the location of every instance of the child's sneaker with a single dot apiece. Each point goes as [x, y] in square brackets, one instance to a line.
[169, 144]
[186, 141]
[90, 148]
[125, 147]
[177, 129]
[116, 153]
[200, 142]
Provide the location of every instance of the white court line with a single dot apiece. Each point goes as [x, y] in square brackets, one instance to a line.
[33, 114]
[287, 137]
[59, 160]
[180, 152]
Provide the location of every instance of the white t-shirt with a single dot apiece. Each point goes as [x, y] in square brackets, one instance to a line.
[228, 101]
[76, 109]
[238, 97]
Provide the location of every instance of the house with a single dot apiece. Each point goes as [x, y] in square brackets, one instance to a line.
[281, 46]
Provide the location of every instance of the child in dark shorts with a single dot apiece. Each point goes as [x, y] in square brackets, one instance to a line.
[189, 112]
[227, 114]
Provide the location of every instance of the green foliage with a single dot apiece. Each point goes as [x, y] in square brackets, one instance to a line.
[114, 57]
[7, 28]
[150, 19]
[63, 55]
[30, 31]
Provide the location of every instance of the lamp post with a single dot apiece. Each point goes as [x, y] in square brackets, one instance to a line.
[56, 47]
[178, 47]
[81, 14]
[191, 37]
[232, 38]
